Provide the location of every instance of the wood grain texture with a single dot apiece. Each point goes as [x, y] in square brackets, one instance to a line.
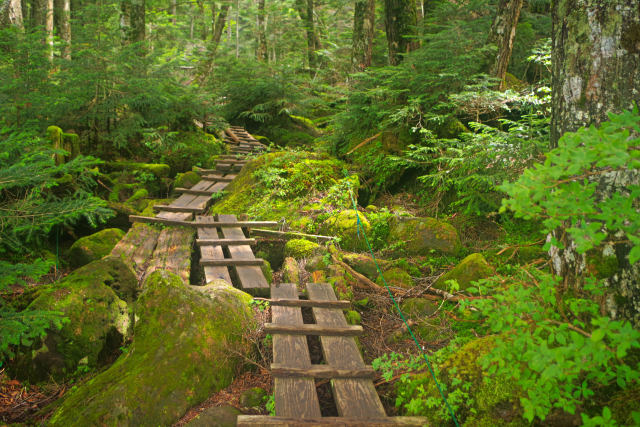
[321, 371]
[345, 305]
[294, 397]
[212, 252]
[265, 420]
[173, 252]
[322, 330]
[355, 398]
[136, 247]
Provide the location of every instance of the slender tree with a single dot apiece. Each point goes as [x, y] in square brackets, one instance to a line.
[11, 13]
[262, 50]
[596, 70]
[306, 11]
[400, 22]
[63, 20]
[364, 16]
[49, 27]
[502, 34]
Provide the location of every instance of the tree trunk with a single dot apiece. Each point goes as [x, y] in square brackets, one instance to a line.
[49, 28]
[64, 26]
[174, 12]
[364, 16]
[11, 14]
[502, 34]
[216, 35]
[202, 20]
[237, 28]
[306, 11]
[132, 20]
[400, 20]
[261, 51]
[38, 13]
[596, 70]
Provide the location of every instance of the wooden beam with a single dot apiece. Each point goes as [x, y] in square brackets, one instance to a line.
[213, 224]
[194, 192]
[345, 305]
[266, 420]
[225, 242]
[169, 208]
[217, 178]
[228, 262]
[292, 235]
[321, 371]
[310, 329]
[231, 134]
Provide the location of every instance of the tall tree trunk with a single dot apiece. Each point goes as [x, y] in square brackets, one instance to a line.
[261, 51]
[63, 17]
[38, 13]
[400, 21]
[596, 70]
[202, 20]
[306, 11]
[502, 34]
[49, 28]
[174, 11]
[216, 35]
[11, 13]
[364, 16]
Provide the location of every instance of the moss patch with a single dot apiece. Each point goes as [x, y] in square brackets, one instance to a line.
[396, 277]
[178, 358]
[300, 248]
[186, 180]
[93, 247]
[344, 225]
[424, 235]
[472, 268]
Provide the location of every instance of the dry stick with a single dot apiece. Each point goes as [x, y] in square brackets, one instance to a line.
[364, 142]
[363, 280]
[232, 135]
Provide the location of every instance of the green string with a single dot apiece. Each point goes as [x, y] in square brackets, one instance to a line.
[57, 249]
[426, 359]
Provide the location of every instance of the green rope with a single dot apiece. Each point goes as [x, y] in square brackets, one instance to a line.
[360, 228]
[57, 250]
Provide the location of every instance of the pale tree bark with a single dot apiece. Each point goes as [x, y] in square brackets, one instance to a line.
[502, 34]
[400, 20]
[11, 14]
[596, 70]
[63, 20]
[262, 50]
[133, 20]
[49, 27]
[237, 28]
[364, 16]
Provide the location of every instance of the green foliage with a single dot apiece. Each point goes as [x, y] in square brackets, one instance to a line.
[562, 190]
[561, 352]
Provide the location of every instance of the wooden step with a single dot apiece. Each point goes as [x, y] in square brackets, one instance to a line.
[321, 371]
[217, 178]
[202, 224]
[266, 420]
[170, 208]
[194, 192]
[310, 329]
[225, 242]
[345, 305]
[230, 262]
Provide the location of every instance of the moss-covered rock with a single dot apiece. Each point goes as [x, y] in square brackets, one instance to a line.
[186, 180]
[420, 236]
[180, 355]
[216, 416]
[418, 307]
[140, 194]
[472, 268]
[69, 142]
[300, 248]
[252, 398]
[159, 170]
[290, 271]
[365, 265]
[98, 320]
[344, 224]
[396, 277]
[93, 247]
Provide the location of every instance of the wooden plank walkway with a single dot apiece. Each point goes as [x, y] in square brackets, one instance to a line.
[296, 399]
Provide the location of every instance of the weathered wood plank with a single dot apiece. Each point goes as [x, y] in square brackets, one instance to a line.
[136, 247]
[292, 235]
[171, 208]
[251, 277]
[230, 262]
[355, 398]
[294, 397]
[265, 420]
[215, 224]
[322, 330]
[321, 371]
[345, 305]
[173, 251]
[225, 242]
[194, 192]
[212, 252]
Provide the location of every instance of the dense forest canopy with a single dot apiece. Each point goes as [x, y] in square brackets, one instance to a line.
[505, 131]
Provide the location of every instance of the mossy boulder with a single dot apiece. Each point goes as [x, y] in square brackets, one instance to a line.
[365, 265]
[290, 271]
[186, 179]
[420, 236]
[93, 247]
[396, 277]
[98, 320]
[216, 416]
[417, 308]
[472, 268]
[158, 170]
[300, 248]
[139, 195]
[182, 352]
[344, 224]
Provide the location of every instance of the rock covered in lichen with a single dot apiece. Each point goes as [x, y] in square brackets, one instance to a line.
[186, 180]
[420, 236]
[472, 268]
[184, 348]
[300, 248]
[344, 225]
[93, 247]
[98, 319]
[395, 277]
[290, 271]
[365, 265]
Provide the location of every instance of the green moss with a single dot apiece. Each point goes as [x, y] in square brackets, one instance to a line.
[93, 247]
[344, 225]
[396, 277]
[290, 271]
[179, 356]
[421, 236]
[353, 317]
[98, 320]
[472, 268]
[159, 170]
[186, 180]
[252, 398]
[418, 307]
[602, 264]
[300, 248]
[267, 271]
[140, 194]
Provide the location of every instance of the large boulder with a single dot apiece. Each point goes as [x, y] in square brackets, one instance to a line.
[300, 248]
[472, 268]
[396, 277]
[98, 320]
[344, 224]
[365, 265]
[424, 235]
[93, 247]
[186, 180]
[185, 348]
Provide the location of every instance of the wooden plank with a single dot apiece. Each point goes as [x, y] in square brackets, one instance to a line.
[225, 242]
[251, 277]
[292, 235]
[194, 192]
[173, 252]
[232, 262]
[231, 134]
[213, 224]
[136, 247]
[265, 420]
[170, 208]
[344, 305]
[355, 398]
[219, 178]
[322, 330]
[212, 273]
[294, 397]
[321, 371]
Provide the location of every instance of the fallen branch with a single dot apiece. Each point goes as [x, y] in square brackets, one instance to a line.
[363, 280]
[363, 143]
[291, 235]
